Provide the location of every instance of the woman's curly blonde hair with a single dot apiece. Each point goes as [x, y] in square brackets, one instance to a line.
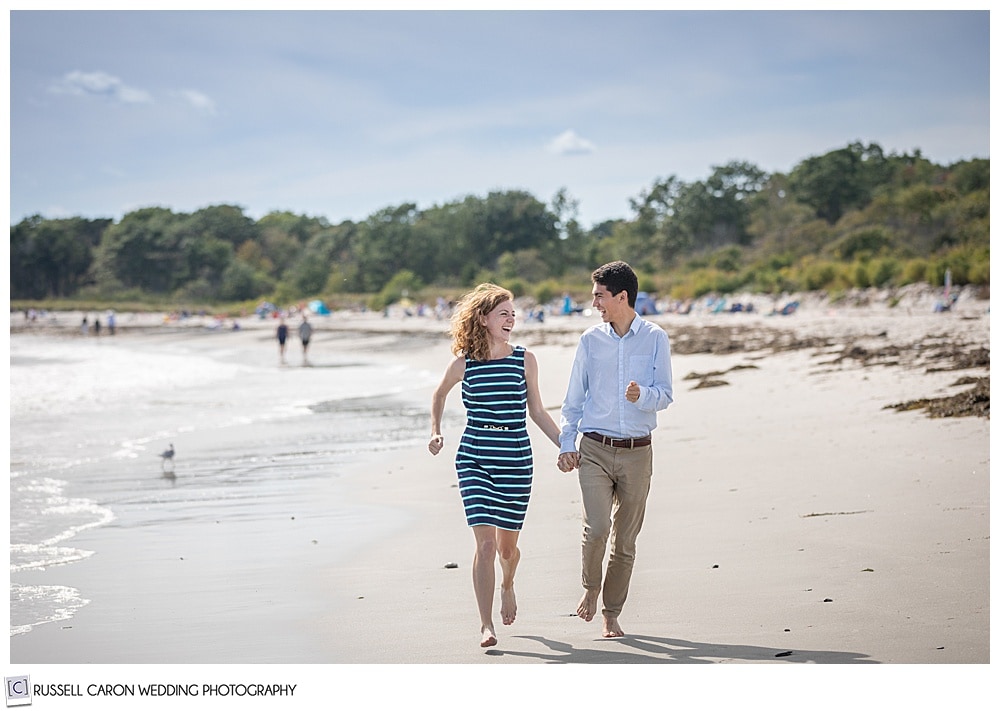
[467, 332]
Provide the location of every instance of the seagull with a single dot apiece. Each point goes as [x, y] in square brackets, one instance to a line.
[167, 455]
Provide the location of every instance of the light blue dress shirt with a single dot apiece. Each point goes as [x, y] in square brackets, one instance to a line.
[602, 368]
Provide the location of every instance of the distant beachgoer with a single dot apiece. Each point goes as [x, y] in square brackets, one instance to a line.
[282, 337]
[621, 378]
[97, 325]
[305, 334]
[84, 329]
[567, 307]
[493, 460]
[111, 322]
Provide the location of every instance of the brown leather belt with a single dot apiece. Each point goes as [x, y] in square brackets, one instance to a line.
[630, 443]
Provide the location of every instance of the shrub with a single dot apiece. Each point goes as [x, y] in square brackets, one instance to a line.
[913, 272]
[546, 291]
[979, 273]
[515, 286]
[881, 272]
[870, 241]
[820, 275]
[403, 283]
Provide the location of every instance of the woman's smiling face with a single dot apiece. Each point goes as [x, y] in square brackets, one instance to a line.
[500, 321]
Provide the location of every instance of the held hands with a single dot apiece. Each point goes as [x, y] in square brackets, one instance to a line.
[436, 443]
[568, 461]
[632, 391]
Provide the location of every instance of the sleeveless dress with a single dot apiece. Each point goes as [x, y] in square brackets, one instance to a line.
[493, 460]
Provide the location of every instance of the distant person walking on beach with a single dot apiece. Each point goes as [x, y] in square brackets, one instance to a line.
[621, 377]
[282, 337]
[493, 460]
[305, 333]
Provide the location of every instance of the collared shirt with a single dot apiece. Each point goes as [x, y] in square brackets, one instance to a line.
[602, 368]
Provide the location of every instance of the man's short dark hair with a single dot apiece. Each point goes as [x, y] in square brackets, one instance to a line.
[617, 277]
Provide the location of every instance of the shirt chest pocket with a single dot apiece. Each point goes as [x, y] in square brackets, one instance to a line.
[640, 369]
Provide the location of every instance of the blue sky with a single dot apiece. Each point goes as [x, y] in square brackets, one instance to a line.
[342, 113]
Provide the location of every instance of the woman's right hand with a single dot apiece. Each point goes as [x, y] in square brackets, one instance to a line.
[436, 443]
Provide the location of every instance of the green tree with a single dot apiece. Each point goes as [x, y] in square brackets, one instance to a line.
[839, 180]
[282, 235]
[655, 225]
[224, 222]
[143, 250]
[52, 258]
[970, 176]
[311, 271]
[776, 220]
[441, 233]
[731, 190]
[869, 218]
[386, 245]
[507, 222]
[525, 264]
[574, 245]
[299, 227]
[241, 282]
[630, 242]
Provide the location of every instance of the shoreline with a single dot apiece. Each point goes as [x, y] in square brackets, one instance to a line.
[260, 452]
[870, 327]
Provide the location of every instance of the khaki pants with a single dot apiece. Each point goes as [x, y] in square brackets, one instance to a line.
[614, 483]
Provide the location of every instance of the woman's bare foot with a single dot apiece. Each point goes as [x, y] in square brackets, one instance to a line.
[588, 606]
[612, 628]
[508, 605]
[489, 638]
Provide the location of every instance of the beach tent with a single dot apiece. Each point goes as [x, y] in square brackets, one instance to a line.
[645, 304]
[265, 308]
[318, 307]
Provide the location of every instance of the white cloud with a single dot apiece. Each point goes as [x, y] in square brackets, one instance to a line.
[198, 100]
[100, 84]
[569, 143]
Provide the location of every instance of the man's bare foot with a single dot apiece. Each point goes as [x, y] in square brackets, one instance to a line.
[508, 605]
[489, 638]
[612, 628]
[588, 606]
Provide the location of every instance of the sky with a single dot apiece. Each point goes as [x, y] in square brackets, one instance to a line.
[339, 114]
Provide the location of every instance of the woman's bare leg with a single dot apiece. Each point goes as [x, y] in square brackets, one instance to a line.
[484, 580]
[510, 555]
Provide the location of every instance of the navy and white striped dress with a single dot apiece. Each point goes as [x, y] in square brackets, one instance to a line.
[494, 457]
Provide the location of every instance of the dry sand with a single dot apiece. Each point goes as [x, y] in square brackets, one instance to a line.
[796, 517]
[791, 511]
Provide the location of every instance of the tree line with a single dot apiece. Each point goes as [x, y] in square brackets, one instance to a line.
[854, 216]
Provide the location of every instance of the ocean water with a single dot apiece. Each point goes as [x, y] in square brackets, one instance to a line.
[90, 416]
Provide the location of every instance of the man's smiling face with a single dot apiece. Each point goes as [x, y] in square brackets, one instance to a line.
[609, 305]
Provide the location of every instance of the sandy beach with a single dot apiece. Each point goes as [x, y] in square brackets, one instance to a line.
[800, 514]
